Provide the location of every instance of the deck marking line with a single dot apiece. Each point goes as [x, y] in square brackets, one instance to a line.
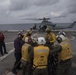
[4, 56]
[9, 42]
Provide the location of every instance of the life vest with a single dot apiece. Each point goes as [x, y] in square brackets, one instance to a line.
[66, 52]
[40, 57]
[66, 39]
[25, 54]
[24, 36]
[51, 37]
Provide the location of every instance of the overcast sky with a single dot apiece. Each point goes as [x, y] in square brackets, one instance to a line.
[14, 11]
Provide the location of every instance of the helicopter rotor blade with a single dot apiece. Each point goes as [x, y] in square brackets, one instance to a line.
[30, 19]
[36, 18]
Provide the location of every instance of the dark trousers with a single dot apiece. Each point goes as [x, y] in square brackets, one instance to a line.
[17, 62]
[24, 68]
[64, 67]
[2, 47]
[40, 71]
[52, 65]
[53, 61]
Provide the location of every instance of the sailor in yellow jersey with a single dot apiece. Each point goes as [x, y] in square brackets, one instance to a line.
[26, 48]
[27, 34]
[50, 36]
[39, 57]
[50, 40]
[64, 57]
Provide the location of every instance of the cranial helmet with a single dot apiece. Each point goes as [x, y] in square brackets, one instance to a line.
[20, 34]
[61, 32]
[48, 29]
[29, 31]
[41, 40]
[27, 39]
[62, 37]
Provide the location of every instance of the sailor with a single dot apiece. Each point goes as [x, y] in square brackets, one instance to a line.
[28, 33]
[17, 52]
[39, 57]
[26, 48]
[50, 36]
[2, 44]
[50, 40]
[64, 57]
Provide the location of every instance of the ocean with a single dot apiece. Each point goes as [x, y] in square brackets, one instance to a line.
[5, 27]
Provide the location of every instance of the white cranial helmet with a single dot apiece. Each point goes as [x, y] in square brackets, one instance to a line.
[62, 37]
[61, 32]
[41, 40]
[27, 39]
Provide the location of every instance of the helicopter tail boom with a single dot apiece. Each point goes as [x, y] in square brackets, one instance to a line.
[73, 24]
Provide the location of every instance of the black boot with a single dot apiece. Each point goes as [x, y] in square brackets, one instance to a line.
[14, 71]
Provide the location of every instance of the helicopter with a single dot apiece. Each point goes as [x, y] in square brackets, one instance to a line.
[46, 23]
[43, 25]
